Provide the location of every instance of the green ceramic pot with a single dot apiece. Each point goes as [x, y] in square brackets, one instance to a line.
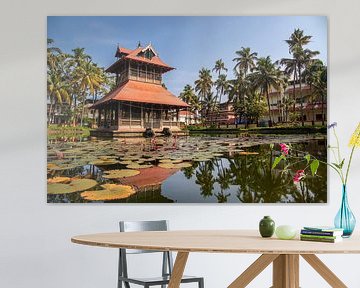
[267, 227]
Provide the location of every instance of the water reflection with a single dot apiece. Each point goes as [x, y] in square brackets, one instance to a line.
[228, 177]
[250, 179]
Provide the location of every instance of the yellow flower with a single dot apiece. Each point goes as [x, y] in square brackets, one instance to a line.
[355, 138]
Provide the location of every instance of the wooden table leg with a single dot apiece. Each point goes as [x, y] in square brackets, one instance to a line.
[178, 270]
[253, 270]
[286, 271]
[324, 271]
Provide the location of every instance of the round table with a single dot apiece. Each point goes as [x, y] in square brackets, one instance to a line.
[284, 254]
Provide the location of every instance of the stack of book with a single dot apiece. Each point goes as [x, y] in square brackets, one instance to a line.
[321, 234]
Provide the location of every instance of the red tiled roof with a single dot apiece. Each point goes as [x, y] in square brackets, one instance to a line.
[142, 92]
[133, 55]
[122, 50]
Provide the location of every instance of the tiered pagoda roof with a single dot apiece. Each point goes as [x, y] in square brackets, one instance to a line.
[135, 55]
[140, 88]
[136, 91]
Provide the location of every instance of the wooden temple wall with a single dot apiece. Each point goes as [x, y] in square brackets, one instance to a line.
[131, 116]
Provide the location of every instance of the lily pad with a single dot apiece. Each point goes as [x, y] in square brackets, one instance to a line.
[138, 166]
[110, 192]
[76, 185]
[126, 162]
[175, 165]
[59, 180]
[52, 166]
[120, 173]
[104, 162]
[184, 165]
[167, 165]
[166, 161]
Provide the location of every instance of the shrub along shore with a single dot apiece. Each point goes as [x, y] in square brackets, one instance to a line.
[259, 130]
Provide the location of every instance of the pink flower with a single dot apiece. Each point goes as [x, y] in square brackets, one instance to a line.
[284, 148]
[299, 175]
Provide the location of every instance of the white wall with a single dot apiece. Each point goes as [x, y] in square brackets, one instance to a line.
[35, 248]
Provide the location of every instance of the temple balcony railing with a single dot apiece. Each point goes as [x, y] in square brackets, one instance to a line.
[145, 76]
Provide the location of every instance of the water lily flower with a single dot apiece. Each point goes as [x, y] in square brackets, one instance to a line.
[284, 148]
[299, 175]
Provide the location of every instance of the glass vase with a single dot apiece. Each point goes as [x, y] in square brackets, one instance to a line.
[345, 219]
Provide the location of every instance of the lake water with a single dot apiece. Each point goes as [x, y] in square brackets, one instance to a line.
[194, 169]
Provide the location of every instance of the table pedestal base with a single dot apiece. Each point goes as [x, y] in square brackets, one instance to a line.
[286, 271]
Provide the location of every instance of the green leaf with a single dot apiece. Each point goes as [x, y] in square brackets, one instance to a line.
[271, 146]
[307, 157]
[314, 166]
[342, 163]
[277, 161]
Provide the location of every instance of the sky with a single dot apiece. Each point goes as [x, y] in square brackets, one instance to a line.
[186, 43]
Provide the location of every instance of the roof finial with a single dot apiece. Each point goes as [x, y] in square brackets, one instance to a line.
[139, 44]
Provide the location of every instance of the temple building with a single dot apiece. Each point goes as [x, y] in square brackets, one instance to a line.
[140, 99]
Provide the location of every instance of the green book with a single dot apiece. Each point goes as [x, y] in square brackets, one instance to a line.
[324, 228]
[325, 240]
[319, 236]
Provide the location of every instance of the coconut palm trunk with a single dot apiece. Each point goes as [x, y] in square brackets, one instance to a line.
[269, 108]
[322, 110]
[301, 98]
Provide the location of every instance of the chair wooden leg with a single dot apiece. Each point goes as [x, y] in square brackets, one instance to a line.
[324, 271]
[178, 269]
[253, 270]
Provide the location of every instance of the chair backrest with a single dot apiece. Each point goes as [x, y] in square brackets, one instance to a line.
[137, 226]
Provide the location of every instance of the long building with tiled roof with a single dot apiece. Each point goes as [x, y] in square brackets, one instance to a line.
[139, 100]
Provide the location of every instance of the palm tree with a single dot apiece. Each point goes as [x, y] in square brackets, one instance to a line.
[290, 66]
[245, 62]
[237, 91]
[53, 54]
[90, 81]
[204, 84]
[58, 92]
[303, 59]
[221, 85]
[188, 96]
[205, 178]
[266, 77]
[311, 75]
[219, 67]
[209, 105]
[320, 90]
[297, 40]
[220, 82]
[79, 57]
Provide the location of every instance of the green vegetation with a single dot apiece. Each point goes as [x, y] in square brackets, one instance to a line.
[286, 129]
[255, 78]
[74, 82]
[56, 131]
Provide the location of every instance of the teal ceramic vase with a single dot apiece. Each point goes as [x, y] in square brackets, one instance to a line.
[267, 227]
[345, 219]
